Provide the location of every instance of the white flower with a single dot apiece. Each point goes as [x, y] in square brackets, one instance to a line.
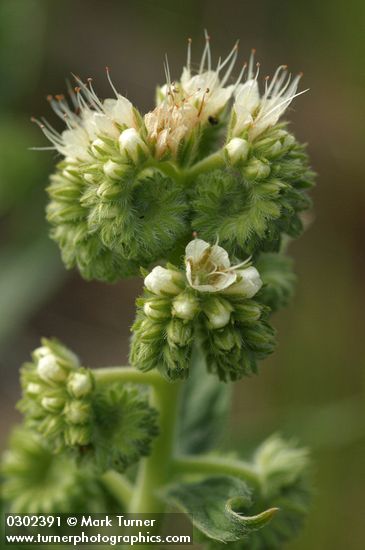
[184, 105]
[237, 149]
[89, 122]
[208, 269]
[253, 112]
[131, 142]
[163, 281]
[248, 283]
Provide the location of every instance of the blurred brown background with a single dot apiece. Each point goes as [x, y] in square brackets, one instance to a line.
[313, 387]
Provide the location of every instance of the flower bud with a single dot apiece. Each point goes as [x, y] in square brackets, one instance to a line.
[78, 435]
[248, 283]
[99, 148]
[156, 309]
[113, 170]
[49, 370]
[53, 404]
[130, 142]
[179, 332]
[163, 281]
[185, 306]
[256, 170]
[237, 150]
[225, 340]
[77, 412]
[218, 312]
[80, 384]
[33, 389]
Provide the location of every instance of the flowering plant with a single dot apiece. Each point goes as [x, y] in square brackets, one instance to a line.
[202, 194]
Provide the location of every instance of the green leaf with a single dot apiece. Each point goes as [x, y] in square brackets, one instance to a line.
[218, 507]
[205, 407]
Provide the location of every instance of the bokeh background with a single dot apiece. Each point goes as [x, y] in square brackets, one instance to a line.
[313, 386]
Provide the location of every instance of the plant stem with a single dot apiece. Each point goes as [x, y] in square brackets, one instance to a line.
[216, 160]
[108, 375]
[118, 486]
[215, 465]
[155, 470]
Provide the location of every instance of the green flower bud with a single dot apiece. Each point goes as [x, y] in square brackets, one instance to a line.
[100, 148]
[80, 384]
[256, 169]
[114, 170]
[157, 309]
[218, 312]
[225, 340]
[77, 412]
[53, 405]
[78, 435]
[179, 332]
[185, 306]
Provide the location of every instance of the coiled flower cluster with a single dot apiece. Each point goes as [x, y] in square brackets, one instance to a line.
[60, 402]
[211, 301]
[57, 395]
[212, 157]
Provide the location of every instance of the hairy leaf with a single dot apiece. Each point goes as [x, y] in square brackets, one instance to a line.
[218, 507]
[205, 407]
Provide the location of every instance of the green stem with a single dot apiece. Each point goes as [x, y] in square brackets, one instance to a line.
[214, 161]
[155, 470]
[166, 167]
[108, 375]
[118, 486]
[215, 465]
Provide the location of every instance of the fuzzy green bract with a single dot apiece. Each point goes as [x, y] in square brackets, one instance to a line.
[250, 206]
[123, 428]
[109, 227]
[36, 481]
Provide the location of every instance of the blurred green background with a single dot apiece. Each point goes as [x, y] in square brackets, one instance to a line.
[313, 387]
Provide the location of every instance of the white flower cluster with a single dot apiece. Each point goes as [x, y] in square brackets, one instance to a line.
[208, 270]
[112, 128]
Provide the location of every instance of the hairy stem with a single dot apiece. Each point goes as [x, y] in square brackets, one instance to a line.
[108, 375]
[215, 465]
[118, 486]
[216, 160]
[155, 470]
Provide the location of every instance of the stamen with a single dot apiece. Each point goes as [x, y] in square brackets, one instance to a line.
[188, 59]
[230, 68]
[250, 64]
[207, 38]
[228, 58]
[287, 100]
[240, 75]
[202, 102]
[110, 82]
[205, 53]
